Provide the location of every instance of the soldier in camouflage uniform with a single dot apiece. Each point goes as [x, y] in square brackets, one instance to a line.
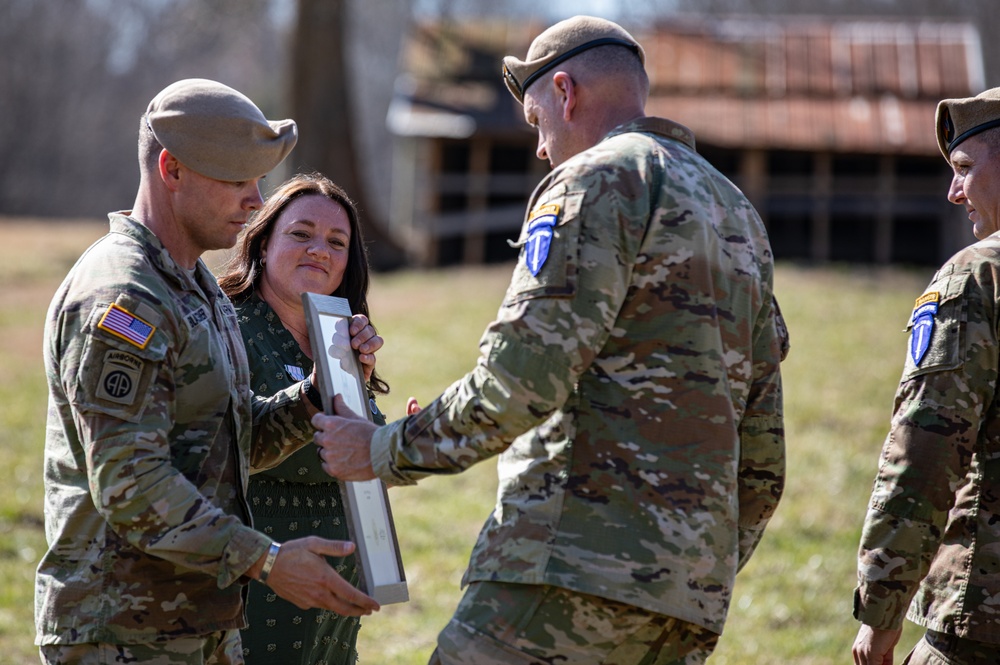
[152, 427]
[930, 548]
[630, 386]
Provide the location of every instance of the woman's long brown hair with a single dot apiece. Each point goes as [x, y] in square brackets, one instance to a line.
[241, 274]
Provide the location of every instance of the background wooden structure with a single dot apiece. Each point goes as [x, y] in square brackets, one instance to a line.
[826, 124]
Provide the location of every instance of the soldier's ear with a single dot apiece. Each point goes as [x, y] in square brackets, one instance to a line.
[169, 169]
[565, 91]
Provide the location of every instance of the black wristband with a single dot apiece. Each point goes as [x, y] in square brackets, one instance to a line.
[313, 394]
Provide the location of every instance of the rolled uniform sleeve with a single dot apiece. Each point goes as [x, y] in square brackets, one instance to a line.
[921, 528]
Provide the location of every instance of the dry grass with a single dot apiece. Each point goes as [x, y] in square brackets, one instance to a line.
[792, 603]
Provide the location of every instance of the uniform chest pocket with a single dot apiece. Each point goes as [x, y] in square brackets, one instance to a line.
[937, 327]
[204, 377]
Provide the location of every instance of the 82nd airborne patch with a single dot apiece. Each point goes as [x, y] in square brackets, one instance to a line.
[120, 377]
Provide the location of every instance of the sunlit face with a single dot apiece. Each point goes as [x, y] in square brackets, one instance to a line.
[211, 213]
[976, 184]
[307, 250]
[542, 112]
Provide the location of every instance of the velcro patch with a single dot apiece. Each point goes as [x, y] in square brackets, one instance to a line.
[120, 376]
[127, 326]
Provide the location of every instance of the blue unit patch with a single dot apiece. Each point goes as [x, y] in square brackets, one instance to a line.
[923, 326]
[540, 226]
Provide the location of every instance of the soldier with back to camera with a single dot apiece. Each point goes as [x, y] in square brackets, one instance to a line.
[630, 386]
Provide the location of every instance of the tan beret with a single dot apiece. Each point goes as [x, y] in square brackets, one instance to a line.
[958, 119]
[560, 43]
[217, 131]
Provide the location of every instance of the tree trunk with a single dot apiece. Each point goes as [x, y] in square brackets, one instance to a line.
[321, 94]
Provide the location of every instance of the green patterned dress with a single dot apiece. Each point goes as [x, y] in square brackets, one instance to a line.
[293, 500]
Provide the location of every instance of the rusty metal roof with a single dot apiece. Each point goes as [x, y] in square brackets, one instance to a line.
[811, 83]
[795, 83]
[857, 124]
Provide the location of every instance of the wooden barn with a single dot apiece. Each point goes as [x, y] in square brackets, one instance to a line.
[826, 125]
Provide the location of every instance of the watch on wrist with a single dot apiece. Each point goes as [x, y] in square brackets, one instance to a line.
[272, 555]
[312, 392]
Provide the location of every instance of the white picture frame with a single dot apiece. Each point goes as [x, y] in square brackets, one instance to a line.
[369, 517]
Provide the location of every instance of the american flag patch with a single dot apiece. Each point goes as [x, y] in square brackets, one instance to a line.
[122, 323]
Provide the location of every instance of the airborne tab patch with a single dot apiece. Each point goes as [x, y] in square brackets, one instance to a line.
[120, 377]
[924, 310]
[540, 224]
[124, 324]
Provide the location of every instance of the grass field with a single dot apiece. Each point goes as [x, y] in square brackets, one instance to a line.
[792, 602]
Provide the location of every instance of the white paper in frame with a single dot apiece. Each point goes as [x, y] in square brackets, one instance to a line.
[369, 517]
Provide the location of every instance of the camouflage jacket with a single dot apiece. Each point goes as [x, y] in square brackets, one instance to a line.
[147, 449]
[931, 539]
[630, 384]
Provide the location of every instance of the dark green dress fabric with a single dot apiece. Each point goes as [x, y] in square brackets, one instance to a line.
[293, 500]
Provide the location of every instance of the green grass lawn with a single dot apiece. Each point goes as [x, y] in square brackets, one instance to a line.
[792, 602]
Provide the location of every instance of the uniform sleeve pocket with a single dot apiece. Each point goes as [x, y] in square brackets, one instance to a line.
[549, 258]
[116, 375]
[937, 328]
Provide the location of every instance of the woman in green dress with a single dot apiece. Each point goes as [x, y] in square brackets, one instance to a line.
[305, 238]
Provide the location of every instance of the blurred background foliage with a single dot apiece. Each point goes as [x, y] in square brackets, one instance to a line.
[76, 76]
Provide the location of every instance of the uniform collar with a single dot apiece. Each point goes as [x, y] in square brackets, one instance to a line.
[652, 125]
[200, 280]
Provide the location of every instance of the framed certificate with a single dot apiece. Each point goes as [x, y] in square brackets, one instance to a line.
[369, 518]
